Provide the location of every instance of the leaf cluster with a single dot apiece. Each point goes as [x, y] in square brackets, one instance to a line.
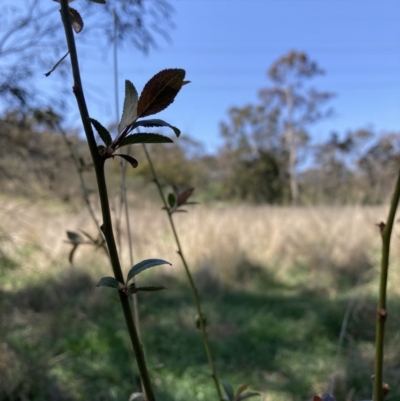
[158, 93]
[127, 288]
[178, 198]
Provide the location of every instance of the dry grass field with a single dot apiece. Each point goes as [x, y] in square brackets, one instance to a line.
[276, 283]
[322, 244]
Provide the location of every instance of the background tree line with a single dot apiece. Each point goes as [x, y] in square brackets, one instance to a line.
[266, 156]
[253, 165]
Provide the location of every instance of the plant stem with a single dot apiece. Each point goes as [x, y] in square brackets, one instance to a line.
[128, 229]
[105, 207]
[84, 188]
[189, 276]
[123, 166]
[386, 233]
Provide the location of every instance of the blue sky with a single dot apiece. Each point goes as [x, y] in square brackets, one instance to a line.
[226, 47]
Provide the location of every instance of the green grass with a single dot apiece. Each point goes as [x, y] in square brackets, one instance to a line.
[65, 339]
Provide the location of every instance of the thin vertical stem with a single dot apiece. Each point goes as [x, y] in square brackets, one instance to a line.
[105, 207]
[386, 233]
[115, 60]
[116, 99]
[84, 188]
[123, 165]
[130, 247]
[190, 278]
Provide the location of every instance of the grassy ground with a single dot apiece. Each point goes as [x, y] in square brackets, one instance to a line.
[275, 285]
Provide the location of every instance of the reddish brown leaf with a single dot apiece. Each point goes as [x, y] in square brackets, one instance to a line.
[160, 91]
[184, 196]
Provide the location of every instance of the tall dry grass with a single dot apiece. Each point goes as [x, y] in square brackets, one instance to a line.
[328, 251]
[317, 246]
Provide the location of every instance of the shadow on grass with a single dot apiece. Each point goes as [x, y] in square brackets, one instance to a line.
[65, 339]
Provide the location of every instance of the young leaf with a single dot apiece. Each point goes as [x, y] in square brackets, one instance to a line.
[228, 390]
[155, 123]
[75, 238]
[171, 200]
[131, 160]
[144, 138]
[247, 394]
[102, 131]
[143, 265]
[108, 282]
[240, 390]
[147, 289]
[129, 113]
[160, 91]
[76, 20]
[184, 196]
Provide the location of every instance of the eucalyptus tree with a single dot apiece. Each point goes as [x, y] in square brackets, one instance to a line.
[263, 140]
[299, 105]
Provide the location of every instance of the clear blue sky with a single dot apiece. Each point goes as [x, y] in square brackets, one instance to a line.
[226, 46]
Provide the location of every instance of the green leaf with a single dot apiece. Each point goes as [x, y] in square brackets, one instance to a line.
[143, 265]
[75, 238]
[147, 289]
[129, 113]
[131, 160]
[228, 390]
[155, 123]
[108, 282]
[144, 138]
[102, 131]
[171, 200]
[160, 91]
[247, 394]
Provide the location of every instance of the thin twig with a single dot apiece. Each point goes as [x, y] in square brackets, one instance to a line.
[84, 188]
[123, 166]
[190, 278]
[130, 245]
[56, 64]
[342, 335]
[105, 207]
[343, 330]
[386, 233]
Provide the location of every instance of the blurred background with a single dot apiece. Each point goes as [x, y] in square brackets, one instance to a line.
[290, 137]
